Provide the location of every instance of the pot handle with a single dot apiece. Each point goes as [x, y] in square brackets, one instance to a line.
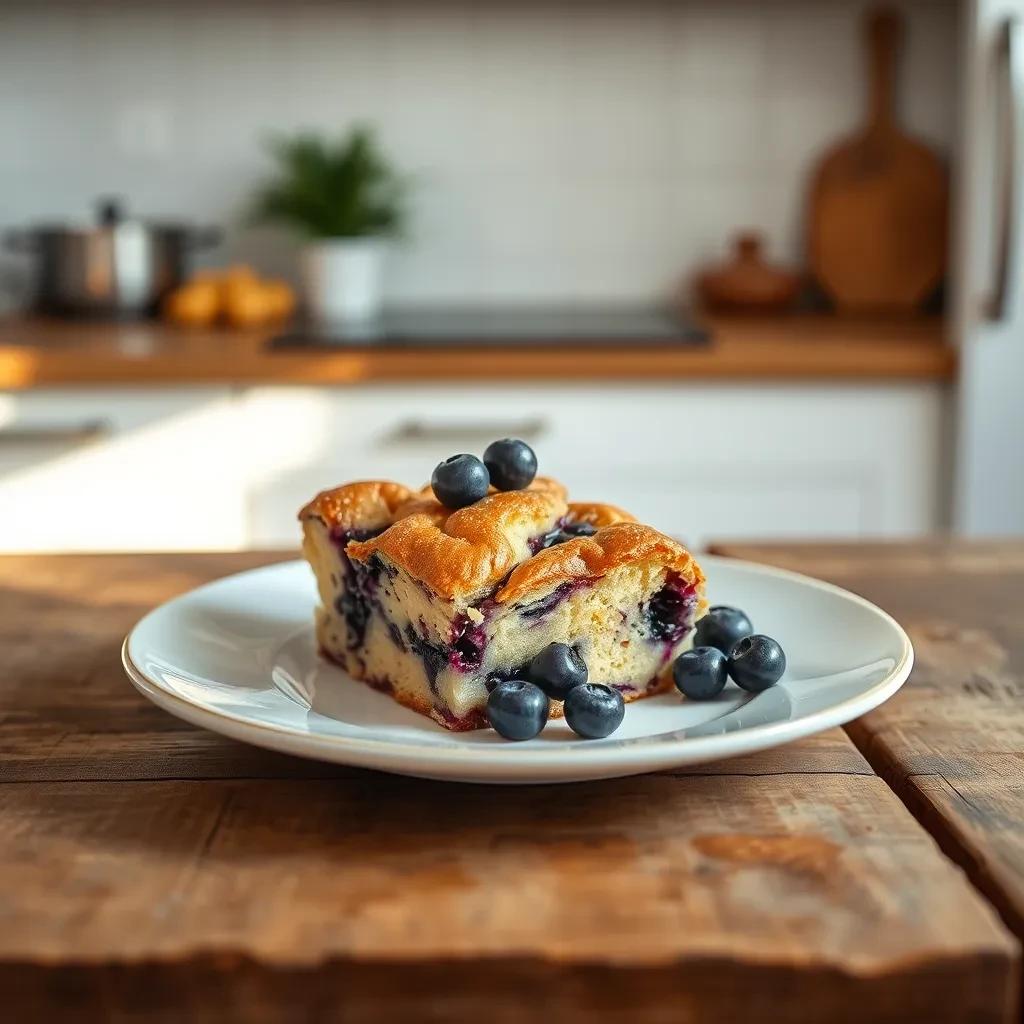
[203, 238]
[20, 241]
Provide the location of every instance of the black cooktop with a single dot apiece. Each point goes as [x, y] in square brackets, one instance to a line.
[470, 327]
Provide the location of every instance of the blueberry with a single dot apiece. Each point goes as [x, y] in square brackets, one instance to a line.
[517, 710]
[511, 463]
[594, 710]
[722, 627]
[579, 529]
[557, 669]
[700, 674]
[459, 481]
[757, 662]
[561, 535]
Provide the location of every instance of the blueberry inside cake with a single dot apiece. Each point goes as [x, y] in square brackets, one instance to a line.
[431, 605]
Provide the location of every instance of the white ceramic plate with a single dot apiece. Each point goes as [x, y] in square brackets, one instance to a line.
[238, 656]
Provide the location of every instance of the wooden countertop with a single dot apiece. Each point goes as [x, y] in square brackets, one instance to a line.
[40, 353]
[151, 870]
[951, 743]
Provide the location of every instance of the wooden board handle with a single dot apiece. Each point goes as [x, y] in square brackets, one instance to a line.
[883, 34]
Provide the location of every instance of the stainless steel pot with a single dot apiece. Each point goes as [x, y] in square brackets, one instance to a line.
[120, 267]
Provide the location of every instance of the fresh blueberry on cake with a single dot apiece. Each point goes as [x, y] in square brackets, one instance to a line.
[511, 464]
[437, 606]
[557, 670]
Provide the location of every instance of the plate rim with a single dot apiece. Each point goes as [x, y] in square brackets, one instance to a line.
[517, 762]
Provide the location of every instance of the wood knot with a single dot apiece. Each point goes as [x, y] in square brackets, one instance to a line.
[795, 853]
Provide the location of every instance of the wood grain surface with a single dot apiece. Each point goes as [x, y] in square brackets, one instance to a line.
[39, 353]
[151, 871]
[951, 742]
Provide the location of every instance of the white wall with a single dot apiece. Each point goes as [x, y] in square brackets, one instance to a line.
[564, 149]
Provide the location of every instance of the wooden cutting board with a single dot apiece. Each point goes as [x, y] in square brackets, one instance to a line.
[879, 201]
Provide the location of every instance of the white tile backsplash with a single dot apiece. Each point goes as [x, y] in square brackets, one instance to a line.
[561, 148]
[722, 47]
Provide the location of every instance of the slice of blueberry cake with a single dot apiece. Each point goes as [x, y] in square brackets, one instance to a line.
[429, 605]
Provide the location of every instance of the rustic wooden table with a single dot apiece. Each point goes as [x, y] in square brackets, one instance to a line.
[152, 871]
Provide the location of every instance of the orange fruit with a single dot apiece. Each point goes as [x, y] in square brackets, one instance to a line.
[280, 297]
[195, 304]
[245, 303]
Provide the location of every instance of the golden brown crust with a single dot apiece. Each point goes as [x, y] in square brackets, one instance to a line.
[418, 505]
[376, 504]
[363, 504]
[372, 504]
[539, 483]
[549, 483]
[588, 558]
[467, 552]
[474, 548]
[423, 501]
[598, 515]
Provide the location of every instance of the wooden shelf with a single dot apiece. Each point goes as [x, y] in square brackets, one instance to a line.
[41, 353]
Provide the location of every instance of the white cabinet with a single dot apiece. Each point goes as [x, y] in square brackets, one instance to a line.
[701, 461]
[122, 470]
[205, 469]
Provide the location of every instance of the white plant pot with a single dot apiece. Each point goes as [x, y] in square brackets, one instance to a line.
[342, 279]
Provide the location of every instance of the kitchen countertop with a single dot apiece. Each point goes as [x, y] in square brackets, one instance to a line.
[150, 869]
[45, 353]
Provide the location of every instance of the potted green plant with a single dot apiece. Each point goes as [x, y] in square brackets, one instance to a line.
[345, 200]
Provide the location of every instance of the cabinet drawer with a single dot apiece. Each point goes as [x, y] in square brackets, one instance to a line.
[700, 461]
[120, 470]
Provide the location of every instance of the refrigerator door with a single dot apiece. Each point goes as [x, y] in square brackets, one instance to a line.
[988, 471]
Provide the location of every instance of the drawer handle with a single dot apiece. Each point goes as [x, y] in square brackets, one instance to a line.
[56, 433]
[466, 433]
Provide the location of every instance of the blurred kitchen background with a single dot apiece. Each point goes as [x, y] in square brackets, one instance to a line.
[620, 239]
